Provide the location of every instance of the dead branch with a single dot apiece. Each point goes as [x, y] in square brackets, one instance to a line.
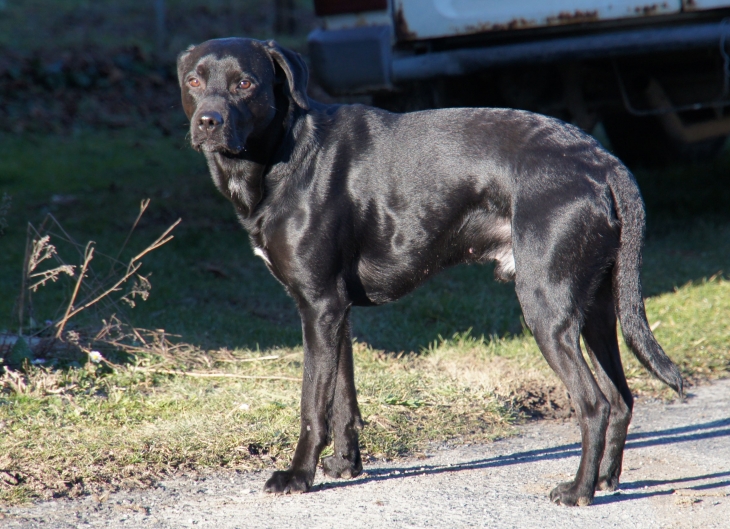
[161, 240]
[142, 208]
[214, 375]
[132, 268]
[258, 359]
[88, 256]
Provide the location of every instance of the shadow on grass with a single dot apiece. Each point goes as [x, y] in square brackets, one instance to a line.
[688, 223]
[695, 432]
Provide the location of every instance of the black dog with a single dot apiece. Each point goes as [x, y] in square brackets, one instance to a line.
[351, 205]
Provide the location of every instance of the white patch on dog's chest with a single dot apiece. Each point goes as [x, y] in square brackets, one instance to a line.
[503, 253]
[260, 252]
[506, 260]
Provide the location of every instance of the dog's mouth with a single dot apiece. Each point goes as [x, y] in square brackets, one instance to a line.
[211, 133]
[226, 143]
[211, 146]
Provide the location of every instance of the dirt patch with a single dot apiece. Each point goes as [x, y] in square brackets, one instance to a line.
[530, 387]
[543, 401]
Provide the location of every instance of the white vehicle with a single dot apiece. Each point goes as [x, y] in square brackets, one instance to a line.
[657, 75]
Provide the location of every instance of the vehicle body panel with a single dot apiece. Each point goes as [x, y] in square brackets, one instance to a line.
[701, 5]
[421, 19]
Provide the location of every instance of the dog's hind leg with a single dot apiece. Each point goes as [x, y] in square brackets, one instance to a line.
[599, 336]
[346, 420]
[559, 343]
[551, 312]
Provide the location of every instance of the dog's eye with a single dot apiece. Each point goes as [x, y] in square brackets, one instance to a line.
[195, 83]
[245, 84]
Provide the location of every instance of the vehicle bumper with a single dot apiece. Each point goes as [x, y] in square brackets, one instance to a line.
[360, 60]
[348, 61]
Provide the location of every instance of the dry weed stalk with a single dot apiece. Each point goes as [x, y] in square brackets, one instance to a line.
[132, 268]
[89, 288]
[38, 383]
[158, 346]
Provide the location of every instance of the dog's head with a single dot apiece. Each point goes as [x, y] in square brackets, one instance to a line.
[231, 88]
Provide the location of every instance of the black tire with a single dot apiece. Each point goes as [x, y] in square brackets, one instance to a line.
[642, 141]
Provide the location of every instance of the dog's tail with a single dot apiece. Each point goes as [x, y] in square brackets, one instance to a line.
[627, 281]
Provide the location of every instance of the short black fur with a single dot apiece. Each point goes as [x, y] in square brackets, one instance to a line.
[351, 205]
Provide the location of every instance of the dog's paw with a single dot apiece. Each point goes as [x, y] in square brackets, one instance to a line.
[339, 467]
[569, 494]
[609, 483]
[289, 482]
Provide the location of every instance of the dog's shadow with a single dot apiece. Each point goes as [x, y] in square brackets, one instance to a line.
[628, 490]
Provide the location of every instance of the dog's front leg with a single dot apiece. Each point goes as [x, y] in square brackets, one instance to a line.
[346, 419]
[323, 325]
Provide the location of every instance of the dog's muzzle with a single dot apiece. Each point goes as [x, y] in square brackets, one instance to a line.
[210, 132]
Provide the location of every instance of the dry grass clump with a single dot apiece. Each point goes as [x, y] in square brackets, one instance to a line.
[104, 426]
[512, 368]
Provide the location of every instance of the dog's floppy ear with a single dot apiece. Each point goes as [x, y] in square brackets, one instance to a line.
[295, 70]
[182, 67]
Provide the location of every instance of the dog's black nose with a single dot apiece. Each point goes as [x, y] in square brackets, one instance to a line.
[209, 121]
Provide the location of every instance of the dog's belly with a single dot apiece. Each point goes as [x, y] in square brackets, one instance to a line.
[383, 276]
[381, 282]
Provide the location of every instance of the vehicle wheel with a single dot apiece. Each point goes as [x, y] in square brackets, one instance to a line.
[642, 141]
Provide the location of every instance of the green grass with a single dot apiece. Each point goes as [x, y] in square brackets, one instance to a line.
[127, 427]
[71, 430]
[102, 178]
[693, 325]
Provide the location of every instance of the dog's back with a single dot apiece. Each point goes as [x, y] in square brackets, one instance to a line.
[431, 189]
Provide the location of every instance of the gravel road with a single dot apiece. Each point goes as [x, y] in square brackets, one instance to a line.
[676, 475]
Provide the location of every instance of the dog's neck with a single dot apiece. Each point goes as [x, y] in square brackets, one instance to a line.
[241, 177]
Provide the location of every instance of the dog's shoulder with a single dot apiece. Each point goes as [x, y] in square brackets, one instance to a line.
[338, 124]
[344, 113]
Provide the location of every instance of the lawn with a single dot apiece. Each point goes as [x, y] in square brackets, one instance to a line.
[451, 362]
